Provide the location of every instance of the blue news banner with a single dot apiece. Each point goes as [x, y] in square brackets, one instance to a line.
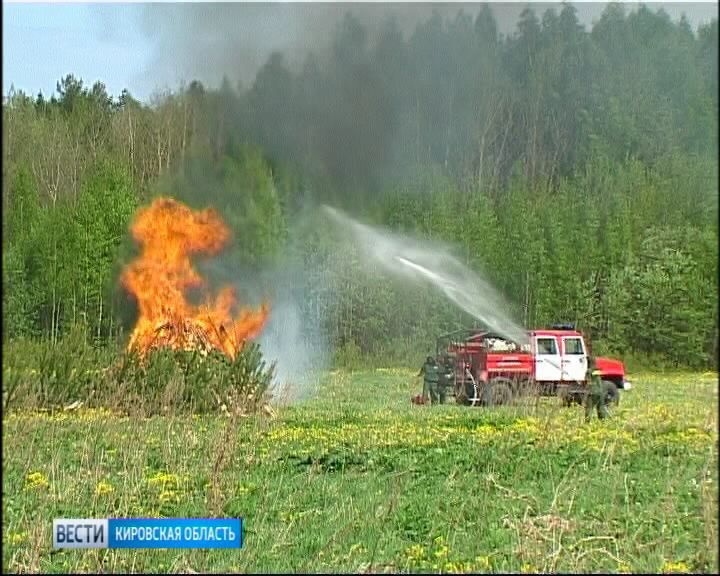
[148, 533]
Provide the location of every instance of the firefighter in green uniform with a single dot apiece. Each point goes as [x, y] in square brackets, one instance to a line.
[445, 377]
[430, 372]
[595, 398]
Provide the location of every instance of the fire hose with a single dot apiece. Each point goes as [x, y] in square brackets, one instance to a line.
[475, 398]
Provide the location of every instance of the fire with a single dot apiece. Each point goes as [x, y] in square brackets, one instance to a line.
[169, 233]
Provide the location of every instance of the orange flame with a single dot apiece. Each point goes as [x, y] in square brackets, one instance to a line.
[169, 233]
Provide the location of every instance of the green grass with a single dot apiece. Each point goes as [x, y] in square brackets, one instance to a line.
[358, 479]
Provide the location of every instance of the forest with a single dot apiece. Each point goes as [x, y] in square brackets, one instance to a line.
[576, 167]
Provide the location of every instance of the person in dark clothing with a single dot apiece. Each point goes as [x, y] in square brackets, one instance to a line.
[431, 373]
[446, 377]
[596, 393]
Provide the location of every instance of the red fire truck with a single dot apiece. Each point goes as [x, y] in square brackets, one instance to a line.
[492, 370]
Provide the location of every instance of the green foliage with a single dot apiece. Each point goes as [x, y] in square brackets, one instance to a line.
[42, 375]
[63, 256]
[543, 156]
[191, 382]
[349, 355]
[17, 295]
[21, 216]
[596, 249]
[102, 216]
[666, 300]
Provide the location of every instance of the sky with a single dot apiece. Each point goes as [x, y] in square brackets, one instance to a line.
[150, 48]
[44, 42]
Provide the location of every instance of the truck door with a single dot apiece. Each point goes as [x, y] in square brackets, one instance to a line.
[574, 359]
[547, 359]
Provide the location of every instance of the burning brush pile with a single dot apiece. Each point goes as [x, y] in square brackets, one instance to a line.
[172, 332]
[161, 276]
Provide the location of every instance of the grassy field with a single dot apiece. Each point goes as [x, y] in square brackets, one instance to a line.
[357, 479]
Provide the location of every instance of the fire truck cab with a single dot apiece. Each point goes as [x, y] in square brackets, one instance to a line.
[559, 355]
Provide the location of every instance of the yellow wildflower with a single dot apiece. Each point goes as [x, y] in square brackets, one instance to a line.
[103, 488]
[164, 478]
[18, 537]
[415, 552]
[36, 480]
[457, 567]
[675, 568]
[441, 552]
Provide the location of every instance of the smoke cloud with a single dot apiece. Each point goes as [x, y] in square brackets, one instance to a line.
[208, 41]
[294, 337]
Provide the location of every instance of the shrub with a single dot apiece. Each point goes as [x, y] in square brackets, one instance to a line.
[40, 375]
[189, 381]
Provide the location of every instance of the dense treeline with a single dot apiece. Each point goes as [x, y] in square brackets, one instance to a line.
[577, 168]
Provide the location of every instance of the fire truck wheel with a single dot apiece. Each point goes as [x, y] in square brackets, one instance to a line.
[612, 395]
[498, 392]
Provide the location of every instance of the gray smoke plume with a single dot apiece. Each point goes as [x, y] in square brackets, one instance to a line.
[433, 263]
[208, 41]
[293, 338]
